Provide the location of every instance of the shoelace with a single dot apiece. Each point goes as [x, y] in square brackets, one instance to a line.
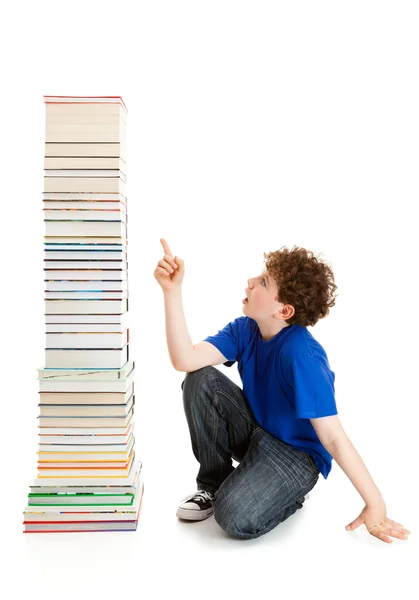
[202, 494]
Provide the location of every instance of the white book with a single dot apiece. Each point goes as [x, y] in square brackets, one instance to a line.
[74, 239]
[83, 307]
[85, 285]
[86, 385]
[97, 246]
[86, 422]
[83, 196]
[86, 431]
[86, 340]
[84, 205]
[85, 228]
[89, 271]
[87, 184]
[101, 111]
[84, 173]
[85, 270]
[84, 215]
[87, 440]
[88, 136]
[64, 394]
[85, 327]
[84, 128]
[88, 255]
[82, 118]
[120, 319]
[83, 410]
[86, 295]
[82, 374]
[85, 162]
[58, 358]
[68, 448]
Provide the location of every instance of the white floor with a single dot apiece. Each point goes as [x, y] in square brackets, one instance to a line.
[309, 554]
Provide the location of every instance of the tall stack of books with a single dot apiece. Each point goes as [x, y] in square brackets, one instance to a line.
[89, 478]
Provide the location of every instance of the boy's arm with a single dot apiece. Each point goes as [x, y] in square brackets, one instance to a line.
[333, 437]
[179, 342]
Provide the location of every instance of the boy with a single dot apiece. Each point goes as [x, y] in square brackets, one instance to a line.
[283, 427]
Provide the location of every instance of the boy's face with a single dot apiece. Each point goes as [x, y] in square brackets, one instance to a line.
[262, 294]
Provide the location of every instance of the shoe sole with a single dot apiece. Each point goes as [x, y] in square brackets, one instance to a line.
[192, 515]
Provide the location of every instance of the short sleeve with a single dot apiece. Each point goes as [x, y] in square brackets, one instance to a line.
[313, 383]
[227, 340]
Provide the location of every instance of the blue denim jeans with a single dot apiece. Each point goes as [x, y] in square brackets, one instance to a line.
[272, 478]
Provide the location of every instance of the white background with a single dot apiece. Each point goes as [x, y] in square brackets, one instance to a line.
[251, 126]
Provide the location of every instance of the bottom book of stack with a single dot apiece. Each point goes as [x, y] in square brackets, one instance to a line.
[85, 505]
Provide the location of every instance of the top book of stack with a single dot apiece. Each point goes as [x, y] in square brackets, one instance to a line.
[83, 127]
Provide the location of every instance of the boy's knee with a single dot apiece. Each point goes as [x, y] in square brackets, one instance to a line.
[199, 373]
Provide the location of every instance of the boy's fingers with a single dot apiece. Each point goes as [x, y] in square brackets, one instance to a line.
[166, 246]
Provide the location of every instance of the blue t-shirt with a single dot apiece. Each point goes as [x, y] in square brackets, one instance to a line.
[287, 380]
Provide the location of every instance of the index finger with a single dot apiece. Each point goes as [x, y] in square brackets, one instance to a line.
[166, 246]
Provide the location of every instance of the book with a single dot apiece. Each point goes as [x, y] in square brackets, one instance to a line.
[96, 374]
[85, 173]
[86, 295]
[89, 398]
[74, 453]
[76, 430]
[87, 438]
[85, 162]
[83, 195]
[86, 340]
[85, 328]
[75, 239]
[81, 117]
[94, 401]
[84, 440]
[87, 448]
[83, 285]
[90, 422]
[96, 245]
[84, 385]
[55, 451]
[62, 214]
[117, 135]
[87, 255]
[96, 357]
[119, 318]
[77, 101]
[101, 270]
[81, 307]
[81, 465]
[85, 228]
[71, 499]
[84, 204]
[89, 184]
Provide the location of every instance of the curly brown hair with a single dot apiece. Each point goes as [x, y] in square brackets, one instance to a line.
[303, 281]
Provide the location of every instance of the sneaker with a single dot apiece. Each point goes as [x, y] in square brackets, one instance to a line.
[197, 506]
